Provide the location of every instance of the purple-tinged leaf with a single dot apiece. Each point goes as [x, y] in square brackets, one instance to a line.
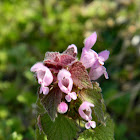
[51, 102]
[52, 60]
[80, 76]
[56, 60]
[52, 56]
[70, 51]
[66, 59]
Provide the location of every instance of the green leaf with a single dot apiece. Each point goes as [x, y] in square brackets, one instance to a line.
[39, 107]
[99, 133]
[51, 101]
[62, 128]
[94, 96]
[39, 135]
[80, 76]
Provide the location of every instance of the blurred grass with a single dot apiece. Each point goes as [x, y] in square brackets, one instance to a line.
[30, 28]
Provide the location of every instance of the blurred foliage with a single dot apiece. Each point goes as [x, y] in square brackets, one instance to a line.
[30, 28]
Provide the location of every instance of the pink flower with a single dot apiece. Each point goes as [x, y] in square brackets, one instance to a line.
[90, 124]
[62, 108]
[65, 81]
[44, 75]
[85, 110]
[89, 57]
[70, 96]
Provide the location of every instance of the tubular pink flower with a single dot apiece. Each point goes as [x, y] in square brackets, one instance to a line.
[89, 57]
[62, 108]
[85, 110]
[73, 46]
[95, 73]
[70, 96]
[44, 75]
[90, 124]
[65, 81]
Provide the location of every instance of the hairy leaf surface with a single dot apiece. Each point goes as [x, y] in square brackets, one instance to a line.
[80, 76]
[62, 128]
[99, 133]
[51, 101]
[94, 96]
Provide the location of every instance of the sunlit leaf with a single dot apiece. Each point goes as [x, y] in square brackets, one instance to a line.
[101, 132]
[94, 96]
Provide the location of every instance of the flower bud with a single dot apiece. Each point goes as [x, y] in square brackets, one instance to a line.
[62, 108]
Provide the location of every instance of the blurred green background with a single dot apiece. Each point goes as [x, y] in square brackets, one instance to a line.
[29, 28]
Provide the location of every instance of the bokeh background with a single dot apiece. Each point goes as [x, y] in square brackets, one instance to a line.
[29, 28]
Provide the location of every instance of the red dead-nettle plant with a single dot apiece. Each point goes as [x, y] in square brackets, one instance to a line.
[70, 104]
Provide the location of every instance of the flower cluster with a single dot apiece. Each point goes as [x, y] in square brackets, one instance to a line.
[69, 74]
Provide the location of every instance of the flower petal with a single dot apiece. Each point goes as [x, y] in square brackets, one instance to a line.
[92, 124]
[87, 125]
[45, 90]
[48, 78]
[82, 114]
[95, 73]
[63, 73]
[62, 87]
[40, 76]
[73, 95]
[68, 98]
[65, 81]
[44, 75]
[106, 75]
[38, 66]
[88, 58]
[104, 55]
[85, 106]
[90, 41]
[101, 61]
